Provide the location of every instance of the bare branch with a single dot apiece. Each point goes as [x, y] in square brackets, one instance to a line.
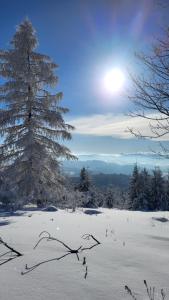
[70, 251]
[87, 237]
[151, 90]
[13, 253]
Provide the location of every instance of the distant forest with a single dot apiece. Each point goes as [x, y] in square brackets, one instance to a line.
[103, 181]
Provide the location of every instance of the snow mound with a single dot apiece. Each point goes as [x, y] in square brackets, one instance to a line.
[4, 222]
[50, 208]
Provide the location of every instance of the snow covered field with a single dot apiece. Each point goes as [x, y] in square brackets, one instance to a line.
[133, 247]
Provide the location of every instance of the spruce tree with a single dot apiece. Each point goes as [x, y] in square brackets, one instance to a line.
[90, 193]
[145, 193]
[157, 190]
[134, 189]
[31, 121]
[109, 198]
[84, 181]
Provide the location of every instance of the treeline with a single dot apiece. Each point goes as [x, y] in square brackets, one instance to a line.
[103, 181]
[142, 191]
[84, 192]
[147, 191]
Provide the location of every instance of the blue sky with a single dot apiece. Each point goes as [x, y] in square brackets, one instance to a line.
[86, 38]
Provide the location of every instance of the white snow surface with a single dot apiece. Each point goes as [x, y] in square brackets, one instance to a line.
[135, 248]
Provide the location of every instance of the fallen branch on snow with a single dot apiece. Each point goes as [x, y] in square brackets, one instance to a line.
[45, 235]
[4, 258]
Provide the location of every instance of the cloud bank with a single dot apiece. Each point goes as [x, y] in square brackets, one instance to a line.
[111, 125]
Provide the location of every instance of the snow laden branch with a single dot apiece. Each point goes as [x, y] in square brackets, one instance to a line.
[9, 255]
[45, 235]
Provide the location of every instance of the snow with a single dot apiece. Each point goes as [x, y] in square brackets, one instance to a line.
[134, 247]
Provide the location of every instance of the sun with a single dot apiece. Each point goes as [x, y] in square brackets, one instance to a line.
[114, 80]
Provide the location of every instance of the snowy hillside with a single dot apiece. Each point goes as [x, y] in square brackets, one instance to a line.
[134, 247]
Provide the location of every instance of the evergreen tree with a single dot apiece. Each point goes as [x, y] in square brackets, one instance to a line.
[90, 193]
[84, 181]
[94, 198]
[157, 190]
[109, 198]
[134, 189]
[145, 193]
[31, 121]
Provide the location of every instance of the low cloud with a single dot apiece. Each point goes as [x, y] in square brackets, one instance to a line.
[111, 125]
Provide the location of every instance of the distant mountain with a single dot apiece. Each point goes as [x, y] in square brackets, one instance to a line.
[115, 163]
[95, 167]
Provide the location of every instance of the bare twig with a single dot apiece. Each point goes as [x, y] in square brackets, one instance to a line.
[87, 237]
[45, 235]
[86, 272]
[84, 261]
[13, 253]
[151, 292]
[129, 291]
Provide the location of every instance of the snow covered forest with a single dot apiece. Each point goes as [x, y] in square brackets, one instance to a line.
[33, 131]
[65, 237]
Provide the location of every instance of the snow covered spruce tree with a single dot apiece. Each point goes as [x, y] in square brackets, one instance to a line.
[134, 190]
[145, 194]
[31, 122]
[139, 190]
[109, 198]
[157, 191]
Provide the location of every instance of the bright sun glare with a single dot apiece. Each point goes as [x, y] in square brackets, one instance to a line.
[114, 80]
